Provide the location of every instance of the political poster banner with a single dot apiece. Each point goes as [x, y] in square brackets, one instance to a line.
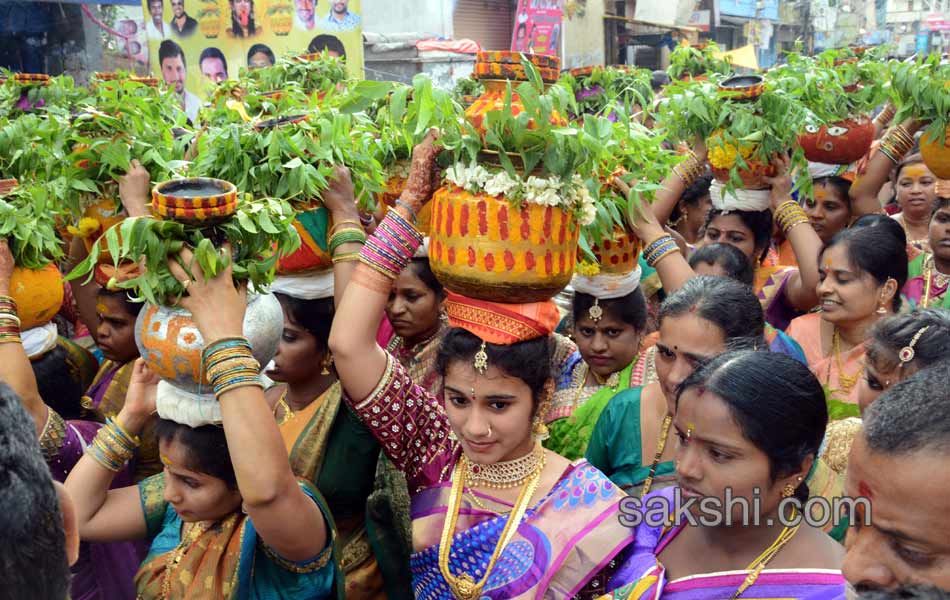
[196, 43]
[537, 27]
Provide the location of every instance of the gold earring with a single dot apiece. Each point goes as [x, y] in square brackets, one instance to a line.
[539, 430]
[452, 435]
[881, 310]
[788, 491]
[327, 363]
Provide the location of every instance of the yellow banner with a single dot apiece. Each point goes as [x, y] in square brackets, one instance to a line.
[195, 42]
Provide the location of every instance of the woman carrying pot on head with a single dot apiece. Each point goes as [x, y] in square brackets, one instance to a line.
[111, 316]
[632, 442]
[415, 321]
[490, 507]
[327, 444]
[862, 271]
[748, 426]
[227, 517]
[718, 259]
[609, 319]
[102, 570]
[783, 291]
[929, 273]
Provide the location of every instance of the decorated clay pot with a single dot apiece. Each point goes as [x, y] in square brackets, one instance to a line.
[839, 143]
[7, 185]
[467, 100]
[753, 177]
[495, 70]
[619, 254]
[396, 183]
[171, 345]
[149, 81]
[483, 247]
[104, 76]
[313, 227]
[282, 23]
[105, 212]
[210, 24]
[742, 87]
[195, 200]
[38, 294]
[936, 155]
[31, 78]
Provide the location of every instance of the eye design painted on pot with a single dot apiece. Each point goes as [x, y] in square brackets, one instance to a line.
[837, 131]
[811, 128]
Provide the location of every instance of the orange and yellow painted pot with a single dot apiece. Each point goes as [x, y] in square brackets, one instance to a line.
[171, 345]
[38, 294]
[839, 143]
[494, 99]
[936, 155]
[196, 200]
[483, 247]
[618, 255]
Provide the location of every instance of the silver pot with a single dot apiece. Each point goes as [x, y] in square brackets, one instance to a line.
[171, 345]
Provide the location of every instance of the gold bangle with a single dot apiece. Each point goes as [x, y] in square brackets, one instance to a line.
[346, 257]
[345, 222]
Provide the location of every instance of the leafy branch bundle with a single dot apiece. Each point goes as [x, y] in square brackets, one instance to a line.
[313, 73]
[292, 161]
[57, 96]
[129, 120]
[737, 133]
[694, 61]
[603, 89]
[922, 90]
[259, 233]
[27, 222]
[535, 132]
[833, 85]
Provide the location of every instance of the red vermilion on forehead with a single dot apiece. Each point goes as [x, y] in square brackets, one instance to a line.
[865, 490]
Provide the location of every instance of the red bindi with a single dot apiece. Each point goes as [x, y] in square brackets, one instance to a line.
[865, 490]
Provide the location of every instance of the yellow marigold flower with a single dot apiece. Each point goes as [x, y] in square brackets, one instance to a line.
[87, 228]
[588, 269]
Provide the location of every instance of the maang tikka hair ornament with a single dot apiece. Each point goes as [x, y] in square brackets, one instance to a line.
[595, 312]
[481, 360]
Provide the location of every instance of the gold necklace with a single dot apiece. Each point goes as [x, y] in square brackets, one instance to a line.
[660, 447]
[282, 403]
[931, 277]
[846, 382]
[194, 532]
[756, 567]
[506, 475]
[464, 586]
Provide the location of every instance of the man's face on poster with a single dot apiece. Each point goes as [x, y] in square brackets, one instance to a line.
[156, 8]
[305, 10]
[173, 72]
[178, 8]
[340, 6]
[213, 69]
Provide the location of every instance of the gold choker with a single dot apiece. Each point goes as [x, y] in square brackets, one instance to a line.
[505, 475]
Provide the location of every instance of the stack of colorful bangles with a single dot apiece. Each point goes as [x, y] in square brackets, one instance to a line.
[897, 143]
[113, 446]
[690, 169]
[9, 321]
[229, 365]
[349, 232]
[392, 246]
[659, 249]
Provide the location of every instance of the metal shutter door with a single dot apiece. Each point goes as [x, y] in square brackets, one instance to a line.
[488, 22]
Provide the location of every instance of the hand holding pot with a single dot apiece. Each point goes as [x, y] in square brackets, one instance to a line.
[139, 399]
[134, 190]
[216, 305]
[339, 198]
[7, 264]
[423, 175]
[640, 217]
[781, 183]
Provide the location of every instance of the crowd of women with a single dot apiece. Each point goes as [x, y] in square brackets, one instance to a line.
[406, 441]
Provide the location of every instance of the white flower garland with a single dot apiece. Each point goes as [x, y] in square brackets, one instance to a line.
[545, 191]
